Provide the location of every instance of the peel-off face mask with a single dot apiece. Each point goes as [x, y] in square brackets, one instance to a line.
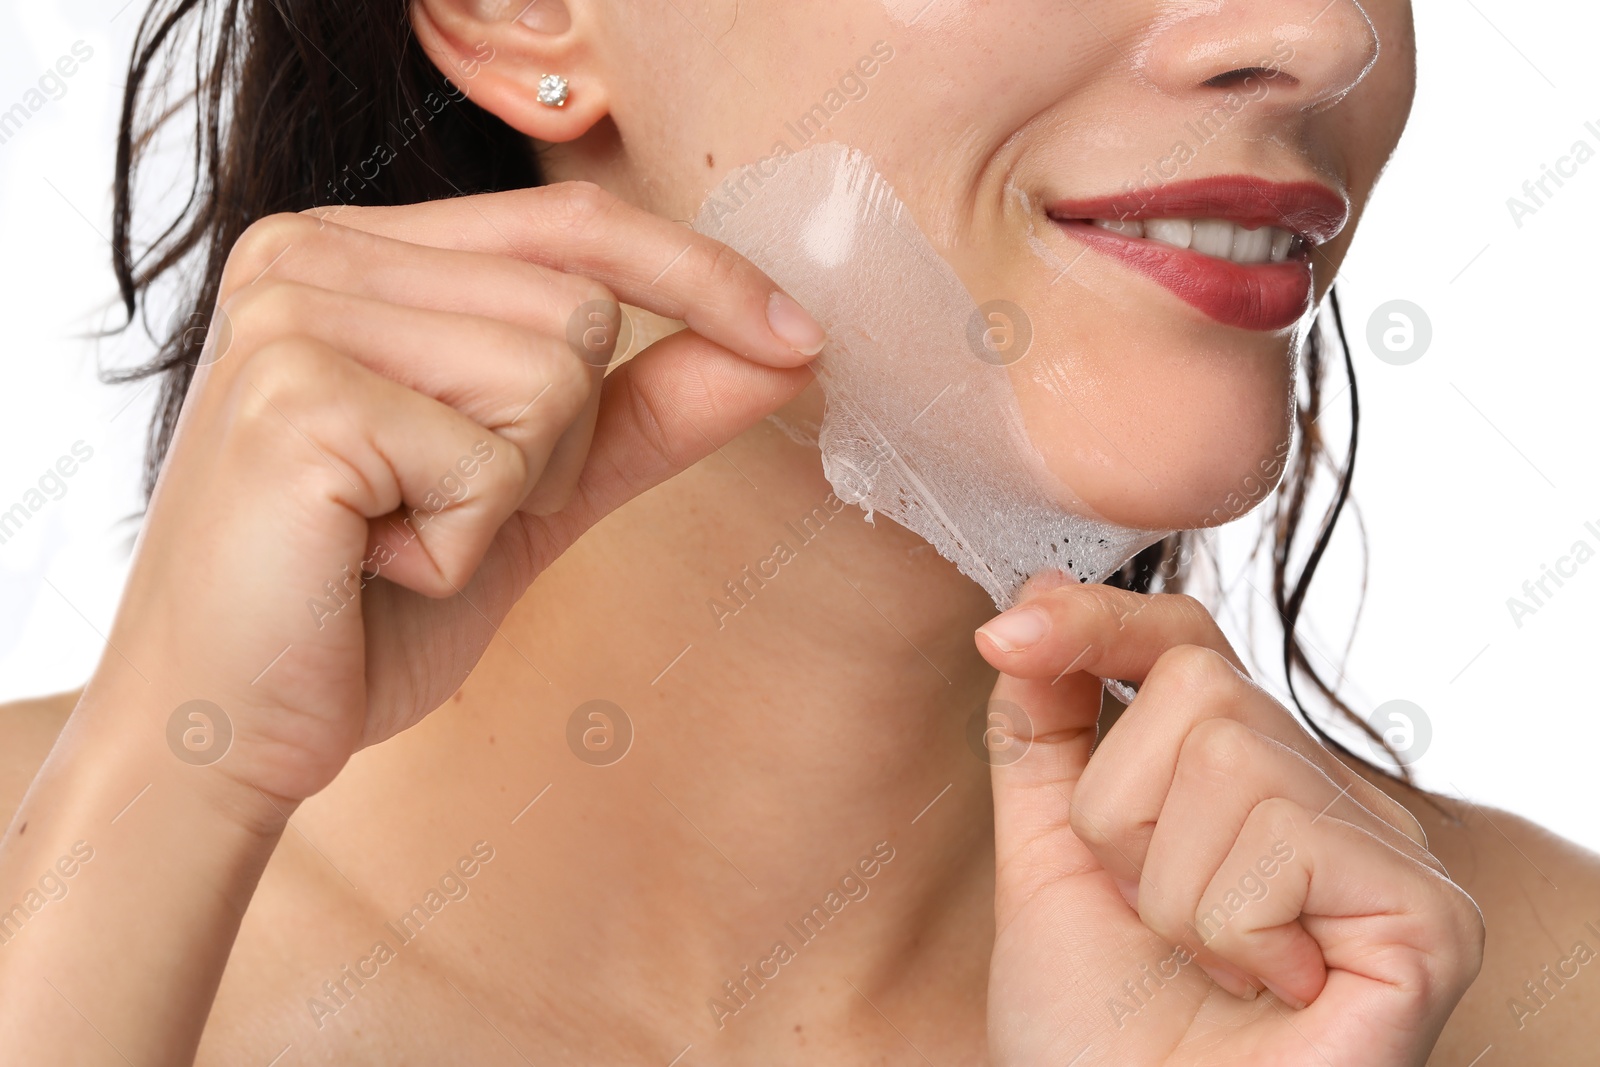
[922, 422]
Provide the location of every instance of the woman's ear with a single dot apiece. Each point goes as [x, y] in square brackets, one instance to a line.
[498, 52]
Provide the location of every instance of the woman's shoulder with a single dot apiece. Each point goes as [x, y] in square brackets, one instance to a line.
[1537, 999]
[28, 729]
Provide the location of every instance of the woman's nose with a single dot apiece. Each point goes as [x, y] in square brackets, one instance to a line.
[1308, 52]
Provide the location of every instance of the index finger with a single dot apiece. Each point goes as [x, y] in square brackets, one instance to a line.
[1100, 630]
[646, 260]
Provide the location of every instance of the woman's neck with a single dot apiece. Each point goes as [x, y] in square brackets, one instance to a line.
[799, 685]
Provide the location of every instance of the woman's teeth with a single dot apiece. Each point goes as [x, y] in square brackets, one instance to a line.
[1213, 237]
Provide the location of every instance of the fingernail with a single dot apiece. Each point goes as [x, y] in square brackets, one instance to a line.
[1288, 998]
[1016, 630]
[1230, 979]
[793, 325]
[1129, 891]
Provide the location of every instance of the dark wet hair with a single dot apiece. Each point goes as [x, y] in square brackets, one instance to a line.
[289, 100]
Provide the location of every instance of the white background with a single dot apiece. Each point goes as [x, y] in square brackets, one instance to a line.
[1475, 467]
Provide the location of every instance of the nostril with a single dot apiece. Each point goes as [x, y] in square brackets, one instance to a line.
[1231, 78]
[1287, 56]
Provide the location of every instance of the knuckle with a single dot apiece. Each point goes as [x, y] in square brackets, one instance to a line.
[1276, 819]
[1219, 749]
[1098, 820]
[503, 481]
[325, 212]
[258, 312]
[1451, 936]
[485, 475]
[287, 407]
[589, 304]
[725, 267]
[1472, 932]
[261, 244]
[271, 232]
[1103, 605]
[1185, 607]
[576, 208]
[283, 373]
[1467, 916]
[568, 383]
[589, 291]
[1196, 669]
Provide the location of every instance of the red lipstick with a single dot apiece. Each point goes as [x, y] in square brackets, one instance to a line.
[1252, 296]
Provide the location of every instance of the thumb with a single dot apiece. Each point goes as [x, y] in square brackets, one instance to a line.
[666, 409]
[1046, 731]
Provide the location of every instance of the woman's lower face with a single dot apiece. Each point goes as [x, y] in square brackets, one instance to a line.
[1161, 189]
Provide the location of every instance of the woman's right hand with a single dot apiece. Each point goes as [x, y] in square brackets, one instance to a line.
[387, 385]
[393, 390]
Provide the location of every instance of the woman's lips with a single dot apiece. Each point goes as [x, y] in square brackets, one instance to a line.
[1267, 282]
[1265, 296]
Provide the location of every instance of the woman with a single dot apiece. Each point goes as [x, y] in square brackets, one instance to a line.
[394, 485]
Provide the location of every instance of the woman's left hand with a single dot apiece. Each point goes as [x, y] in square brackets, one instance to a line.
[1209, 885]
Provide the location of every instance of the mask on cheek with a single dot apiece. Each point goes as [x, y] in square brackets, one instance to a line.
[922, 421]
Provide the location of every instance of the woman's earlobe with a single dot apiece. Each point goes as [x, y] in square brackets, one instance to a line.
[521, 60]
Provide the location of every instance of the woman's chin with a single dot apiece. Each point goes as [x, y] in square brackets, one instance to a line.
[1205, 486]
[1166, 436]
[1141, 509]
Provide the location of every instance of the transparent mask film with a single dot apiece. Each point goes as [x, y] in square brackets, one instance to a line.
[982, 420]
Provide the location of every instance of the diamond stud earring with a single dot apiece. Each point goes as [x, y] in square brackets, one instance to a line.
[553, 90]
